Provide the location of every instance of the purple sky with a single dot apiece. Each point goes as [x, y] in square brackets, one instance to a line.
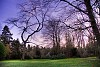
[9, 9]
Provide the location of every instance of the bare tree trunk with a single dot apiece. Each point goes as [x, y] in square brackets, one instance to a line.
[58, 44]
[92, 19]
[93, 22]
[23, 51]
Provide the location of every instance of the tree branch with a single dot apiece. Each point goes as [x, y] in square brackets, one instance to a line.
[74, 6]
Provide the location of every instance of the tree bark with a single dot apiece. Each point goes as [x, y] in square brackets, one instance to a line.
[93, 21]
[23, 51]
[93, 24]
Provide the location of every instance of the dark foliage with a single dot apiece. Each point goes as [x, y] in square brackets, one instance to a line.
[6, 35]
[16, 49]
[2, 51]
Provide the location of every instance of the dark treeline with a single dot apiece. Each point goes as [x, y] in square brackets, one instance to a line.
[13, 49]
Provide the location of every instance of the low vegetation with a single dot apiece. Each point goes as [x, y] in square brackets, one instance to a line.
[70, 62]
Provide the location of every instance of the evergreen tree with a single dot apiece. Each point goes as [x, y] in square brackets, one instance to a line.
[6, 35]
[6, 38]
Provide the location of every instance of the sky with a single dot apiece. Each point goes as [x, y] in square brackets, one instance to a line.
[9, 9]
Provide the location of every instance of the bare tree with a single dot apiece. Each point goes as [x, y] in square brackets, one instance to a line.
[88, 8]
[31, 17]
[52, 32]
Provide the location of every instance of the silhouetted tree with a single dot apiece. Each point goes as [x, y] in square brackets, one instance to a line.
[86, 8]
[16, 49]
[37, 52]
[6, 38]
[31, 19]
[6, 35]
[52, 32]
[29, 53]
[69, 46]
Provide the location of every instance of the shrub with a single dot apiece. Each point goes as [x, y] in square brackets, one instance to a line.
[59, 56]
[2, 51]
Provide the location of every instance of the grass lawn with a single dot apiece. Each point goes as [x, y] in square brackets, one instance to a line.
[71, 62]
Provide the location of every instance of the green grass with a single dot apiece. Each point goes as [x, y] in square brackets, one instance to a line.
[71, 62]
